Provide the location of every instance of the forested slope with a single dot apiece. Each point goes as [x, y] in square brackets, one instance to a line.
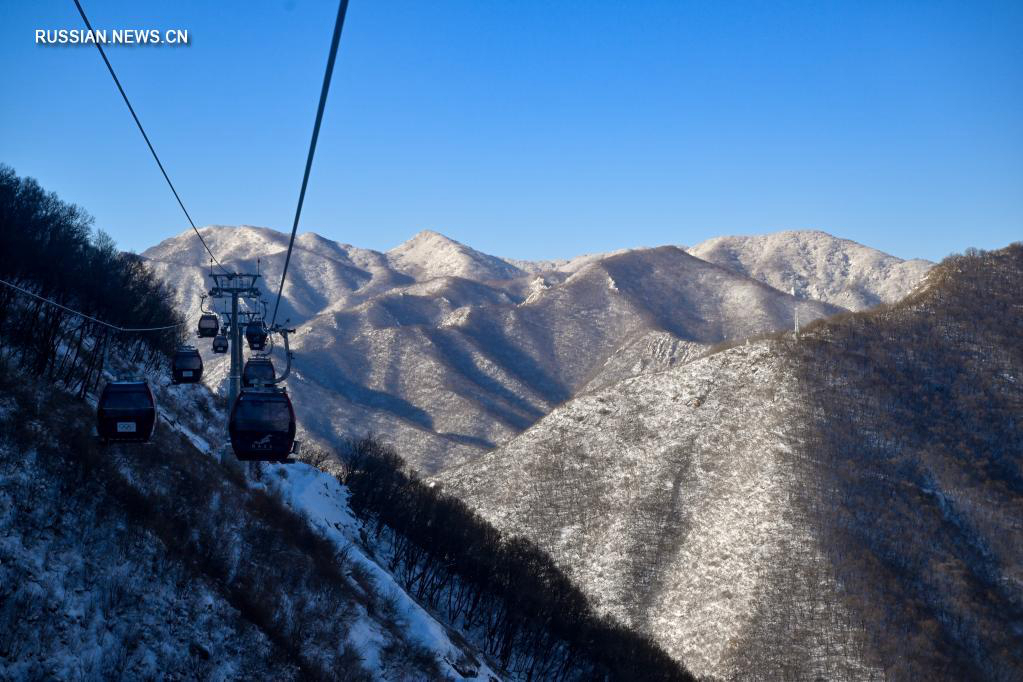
[843, 505]
[914, 467]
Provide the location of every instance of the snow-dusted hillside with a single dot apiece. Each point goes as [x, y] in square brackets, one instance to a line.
[446, 352]
[669, 497]
[137, 561]
[844, 506]
[818, 266]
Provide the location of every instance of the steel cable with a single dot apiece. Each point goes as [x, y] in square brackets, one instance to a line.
[338, 24]
[142, 130]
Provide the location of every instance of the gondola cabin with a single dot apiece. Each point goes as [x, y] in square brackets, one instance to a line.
[256, 335]
[126, 412]
[258, 372]
[262, 425]
[220, 343]
[186, 366]
[209, 326]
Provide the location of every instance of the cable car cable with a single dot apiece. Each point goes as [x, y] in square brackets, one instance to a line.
[89, 317]
[339, 23]
[142, 130]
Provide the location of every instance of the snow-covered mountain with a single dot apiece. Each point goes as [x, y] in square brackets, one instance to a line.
[817, 266]
[446, 352]
[841, 506]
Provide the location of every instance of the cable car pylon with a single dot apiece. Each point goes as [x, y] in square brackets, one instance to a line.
[235, 286]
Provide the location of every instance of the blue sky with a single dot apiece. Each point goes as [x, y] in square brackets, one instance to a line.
[537, 129]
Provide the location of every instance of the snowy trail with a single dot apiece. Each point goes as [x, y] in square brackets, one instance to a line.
[324, 502]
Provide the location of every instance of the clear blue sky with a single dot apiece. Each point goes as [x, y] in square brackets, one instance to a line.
[537, 129]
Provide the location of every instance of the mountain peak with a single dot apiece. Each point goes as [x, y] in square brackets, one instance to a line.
[431, 235]
[429, 254]
[226, 241]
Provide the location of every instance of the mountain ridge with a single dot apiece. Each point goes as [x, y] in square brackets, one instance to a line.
[817, 265]
[446, 357]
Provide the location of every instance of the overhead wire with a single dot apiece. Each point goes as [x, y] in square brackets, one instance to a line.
[90, 317]
[142, 130]
[335, 41]
[338, 25]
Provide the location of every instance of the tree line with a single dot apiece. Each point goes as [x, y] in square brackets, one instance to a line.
[52, 250]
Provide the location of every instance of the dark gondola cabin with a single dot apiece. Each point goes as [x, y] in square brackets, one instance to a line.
[220, 344]
[209, 326]
[262, 425]
[255, 334]
[126, 412]
[186, 366]
[258, 370]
